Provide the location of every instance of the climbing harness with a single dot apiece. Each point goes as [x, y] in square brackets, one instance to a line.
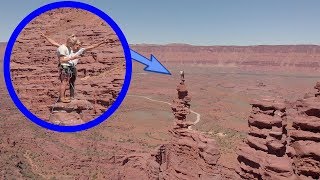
[69, 71]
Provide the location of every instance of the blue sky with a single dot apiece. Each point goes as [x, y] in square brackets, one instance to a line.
[203, 22]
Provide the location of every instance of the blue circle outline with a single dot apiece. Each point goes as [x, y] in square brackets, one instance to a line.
[7, 76]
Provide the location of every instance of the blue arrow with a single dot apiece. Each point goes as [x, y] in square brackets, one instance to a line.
[153, 65]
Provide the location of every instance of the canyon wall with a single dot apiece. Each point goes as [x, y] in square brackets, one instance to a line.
[284, 56]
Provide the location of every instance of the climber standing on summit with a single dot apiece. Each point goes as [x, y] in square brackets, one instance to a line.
[182, 75]
[67, 63]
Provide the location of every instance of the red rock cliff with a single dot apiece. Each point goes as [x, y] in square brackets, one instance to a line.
[274, 56]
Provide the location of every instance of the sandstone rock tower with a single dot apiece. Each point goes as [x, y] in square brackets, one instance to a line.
[181, 108]
[188, 155]
[304, 133]
[282, 145]
[263, 155]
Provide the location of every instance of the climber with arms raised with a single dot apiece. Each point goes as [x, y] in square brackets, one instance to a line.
[68, 56]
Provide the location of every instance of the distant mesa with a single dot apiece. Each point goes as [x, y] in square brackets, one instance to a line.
[290, 57]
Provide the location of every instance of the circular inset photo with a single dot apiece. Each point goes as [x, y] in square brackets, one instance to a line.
[67, 66]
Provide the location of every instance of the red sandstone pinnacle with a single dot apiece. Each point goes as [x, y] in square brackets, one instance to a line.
[264, 154]
[181, 107]
[182, 90]
[188, 155]
[305, 137]
[280, 146]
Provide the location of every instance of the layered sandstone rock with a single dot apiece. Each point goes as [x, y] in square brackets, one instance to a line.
[261, 56]
[188, 155]
[181, 108]
[34, 63]
[280, 146]
[263, 155]
[304, 135]
[74, 113]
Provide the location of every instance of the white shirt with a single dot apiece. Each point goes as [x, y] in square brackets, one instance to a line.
[75, 61]
[63, 50]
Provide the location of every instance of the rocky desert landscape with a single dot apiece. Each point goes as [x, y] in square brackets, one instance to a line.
[242, 113]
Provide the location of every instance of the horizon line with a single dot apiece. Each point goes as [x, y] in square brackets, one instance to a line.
[186, 44]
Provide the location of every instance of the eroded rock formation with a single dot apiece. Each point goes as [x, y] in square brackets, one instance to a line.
[188, 155]
[263, 155]
[281, 146]
[304, 132]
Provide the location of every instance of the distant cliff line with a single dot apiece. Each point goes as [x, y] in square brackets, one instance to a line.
[283, 56]
[306, 48]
